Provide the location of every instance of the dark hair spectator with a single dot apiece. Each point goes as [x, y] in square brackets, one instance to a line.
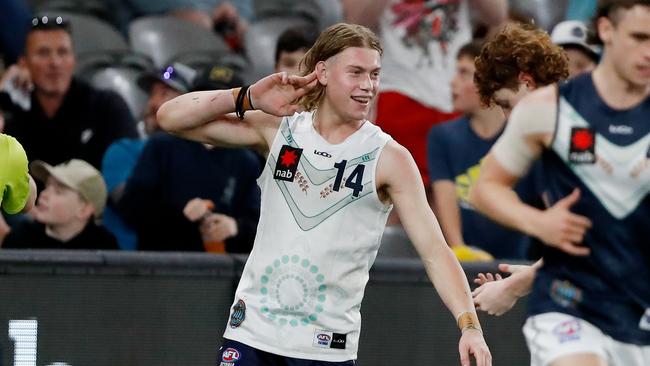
[185, 196]
[55, 116]
[122, 155]
[292, 45]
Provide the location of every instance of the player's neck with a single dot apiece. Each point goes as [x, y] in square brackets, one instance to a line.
[331, 126]
[615, 90]
[487, 122]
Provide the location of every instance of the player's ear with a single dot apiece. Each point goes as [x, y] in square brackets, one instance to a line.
[526, 79]
[321, 72]
[605, 29]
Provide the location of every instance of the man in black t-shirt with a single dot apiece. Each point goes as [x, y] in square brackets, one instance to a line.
[53, 115]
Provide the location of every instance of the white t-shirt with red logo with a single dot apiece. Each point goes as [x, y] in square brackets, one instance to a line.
[421, 40]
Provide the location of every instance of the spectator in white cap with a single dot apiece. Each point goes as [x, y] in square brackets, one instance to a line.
[64, 217]
[573, 36]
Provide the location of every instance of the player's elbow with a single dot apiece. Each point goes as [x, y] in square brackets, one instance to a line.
[167, 117]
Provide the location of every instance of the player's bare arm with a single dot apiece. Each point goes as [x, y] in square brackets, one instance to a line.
[207, 116]
[400, 183]
[529, 131]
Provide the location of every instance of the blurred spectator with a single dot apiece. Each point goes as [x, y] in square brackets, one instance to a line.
[229, 18]
[74, 195]
[292, 45]
[14, 23]
[455, 151]
[182, 193]
[58, 117]
[421, 40]
[572, 35]
[122, 156]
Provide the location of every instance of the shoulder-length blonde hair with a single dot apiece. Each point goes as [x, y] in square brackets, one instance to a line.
[332, 41]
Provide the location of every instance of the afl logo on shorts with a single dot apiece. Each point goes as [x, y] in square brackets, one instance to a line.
[230, 355]
[238, 314]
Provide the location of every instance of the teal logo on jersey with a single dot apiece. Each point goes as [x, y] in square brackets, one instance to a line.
[238, 314]
[293, 291]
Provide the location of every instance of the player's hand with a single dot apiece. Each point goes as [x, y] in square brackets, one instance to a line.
[218, 227]
[472, 344]
[560, 228]
[278, 94]
[496, 296]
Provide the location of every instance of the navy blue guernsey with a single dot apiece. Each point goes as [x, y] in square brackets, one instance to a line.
[606, 154]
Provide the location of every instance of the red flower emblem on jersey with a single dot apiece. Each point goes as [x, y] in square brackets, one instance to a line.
[582, 139]
[288, 158]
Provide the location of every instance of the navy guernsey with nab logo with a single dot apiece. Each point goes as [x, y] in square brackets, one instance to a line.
[606, 154]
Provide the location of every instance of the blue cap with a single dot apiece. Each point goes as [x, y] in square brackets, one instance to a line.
[177, 76]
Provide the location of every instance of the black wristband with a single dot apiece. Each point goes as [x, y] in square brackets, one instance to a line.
[250, 98]
[239, 103]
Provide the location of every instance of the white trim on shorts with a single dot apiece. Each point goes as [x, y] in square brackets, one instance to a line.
[553, 335]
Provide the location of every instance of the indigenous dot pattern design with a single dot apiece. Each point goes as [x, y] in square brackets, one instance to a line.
[293, 291]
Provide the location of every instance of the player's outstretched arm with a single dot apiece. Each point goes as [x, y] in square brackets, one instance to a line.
[207, 116]
[398, 177]
[496, 296]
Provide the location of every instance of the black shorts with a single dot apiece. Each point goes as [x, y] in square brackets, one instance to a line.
[234, 353]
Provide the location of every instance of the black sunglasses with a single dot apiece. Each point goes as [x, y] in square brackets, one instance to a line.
[45, 23]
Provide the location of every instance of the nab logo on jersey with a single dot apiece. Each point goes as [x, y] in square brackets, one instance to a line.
[285, 168]
[583, 146]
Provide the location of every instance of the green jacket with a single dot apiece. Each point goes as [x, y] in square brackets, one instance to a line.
[14, 177]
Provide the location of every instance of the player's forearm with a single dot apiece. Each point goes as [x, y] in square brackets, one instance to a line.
[501, 204]
[450, 281]
[195, 109]
[521, 282]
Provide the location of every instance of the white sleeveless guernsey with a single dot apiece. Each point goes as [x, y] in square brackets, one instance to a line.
[320, 227]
